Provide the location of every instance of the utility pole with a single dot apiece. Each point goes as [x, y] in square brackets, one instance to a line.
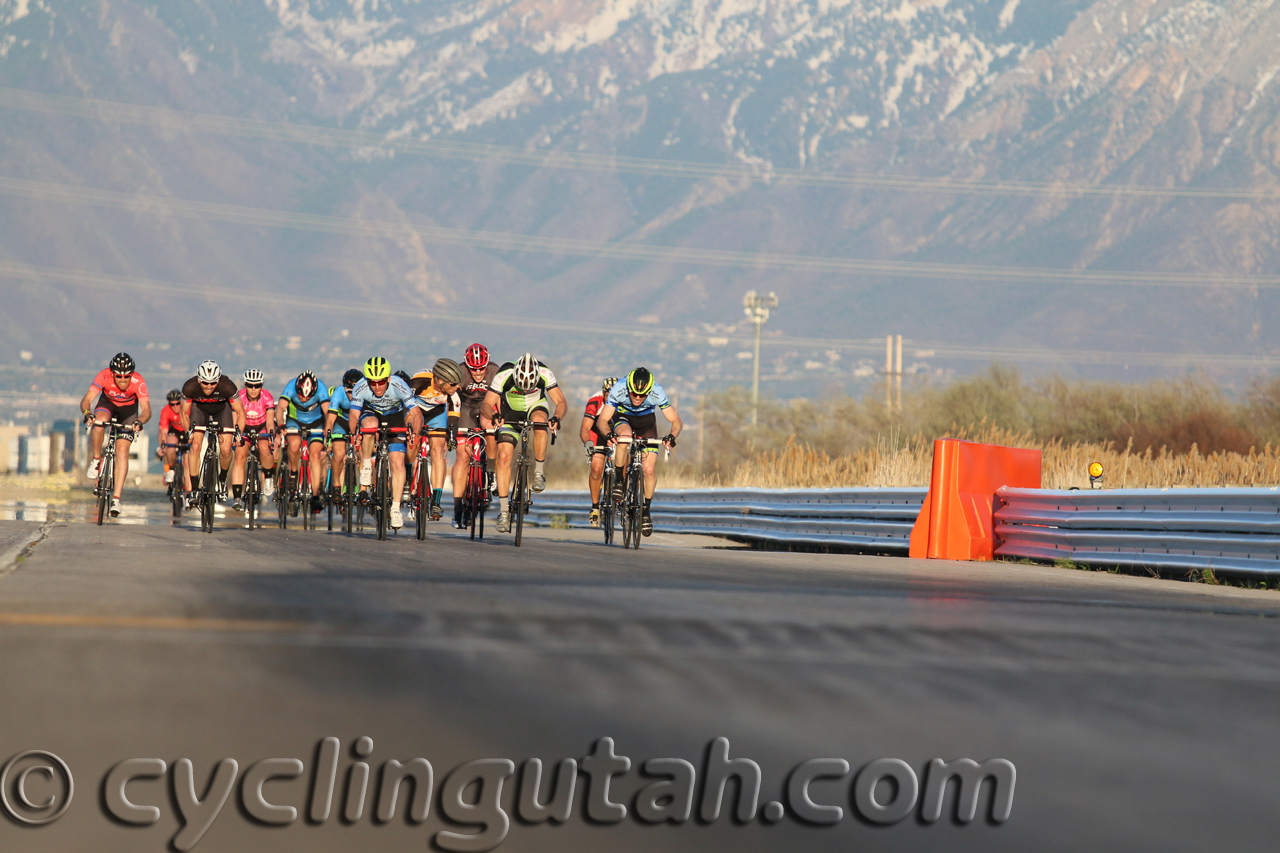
[757, 308]
[892, 369]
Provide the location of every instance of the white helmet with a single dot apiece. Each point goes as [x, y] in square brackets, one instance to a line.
[209, 371]
[253, 376]
[526, 373]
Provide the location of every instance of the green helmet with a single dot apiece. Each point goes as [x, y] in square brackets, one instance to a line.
[377, 368]
[640, 381]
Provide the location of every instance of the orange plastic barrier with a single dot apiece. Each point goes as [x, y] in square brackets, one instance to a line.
[956, 520]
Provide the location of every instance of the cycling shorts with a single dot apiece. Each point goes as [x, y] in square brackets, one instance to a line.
[510, 435]
[339, 428]
[642, 426]
[314, 431]
[124, 414]
[395, 420]
[256, 432]
[435, 419]
[203, 413]
[174, 438]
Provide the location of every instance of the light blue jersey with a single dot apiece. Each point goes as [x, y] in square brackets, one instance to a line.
[397, 398]
[620, 399]
[305, 413]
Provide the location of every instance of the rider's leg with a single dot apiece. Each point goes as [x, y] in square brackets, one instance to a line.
[295, 453]
[621, 453]
[595, 477]
[318, 457]
[338, 461]
[650, 476]
[238, 463]
[195, 457]
[122, 466]
[540, 439]
[224, 454]
[266, 459]
[366, 449]
[506, 450]
[439, 459]
[397, 477]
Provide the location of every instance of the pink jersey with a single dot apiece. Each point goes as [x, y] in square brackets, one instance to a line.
[255, 411]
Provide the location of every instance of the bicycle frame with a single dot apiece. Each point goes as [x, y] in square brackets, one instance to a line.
[476, 495]
[633, 488]
[105, 486]
[382, 473]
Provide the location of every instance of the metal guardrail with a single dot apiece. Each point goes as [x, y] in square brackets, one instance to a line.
[878, 520]
[1231, 531]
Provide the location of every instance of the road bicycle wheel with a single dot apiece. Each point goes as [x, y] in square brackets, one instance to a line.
[328, 495]
[422, 496]
[475, 500]
[304, 494]
[606, 504]
[282, 494]
[349, 484]
[382, 504]
[209, 486]
[106, 483]
[248, 490]
[518, 491]
[175, 488]
[635, 501]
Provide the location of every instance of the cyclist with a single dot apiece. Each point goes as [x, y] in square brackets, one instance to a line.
[335, 426]
[171, 435]
[597, 447]
[436, 395]
[210, 395]
[380, 398]
[303, 407]
[121, 393]
[632, 406]
[480, 372]
[259, 428]
[520, 391]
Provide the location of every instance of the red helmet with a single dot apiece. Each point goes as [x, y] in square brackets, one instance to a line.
[477, 357]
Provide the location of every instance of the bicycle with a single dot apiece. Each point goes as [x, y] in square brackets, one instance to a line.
[520, 498]
[475, 498]
[252, 490]
[210, 469]
[381, 497]
[420, 495]
[606, 496]
[104, 486]
[632, 508]
[175, 493]
[350, 494]
[303, 498]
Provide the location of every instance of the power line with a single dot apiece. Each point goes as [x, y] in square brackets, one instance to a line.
[565, 246]
[288, 132]
[235, 297]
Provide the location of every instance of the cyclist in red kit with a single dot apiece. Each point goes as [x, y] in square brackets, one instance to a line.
[121, 394]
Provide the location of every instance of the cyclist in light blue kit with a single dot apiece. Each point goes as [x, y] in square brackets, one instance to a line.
[632, 405]
[303, 405]
[336, 426]
[380, 398]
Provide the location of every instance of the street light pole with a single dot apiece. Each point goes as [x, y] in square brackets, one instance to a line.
[757, 308]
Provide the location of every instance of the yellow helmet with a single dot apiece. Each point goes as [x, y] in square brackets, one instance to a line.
[376, 369]
[640, 381]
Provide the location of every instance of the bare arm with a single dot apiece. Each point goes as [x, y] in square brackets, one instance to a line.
[237, 413]
[676, 424]
[186, 416]
[562, 405]
[491, 405]
[88, 399]
[144, 410]
[602, 420]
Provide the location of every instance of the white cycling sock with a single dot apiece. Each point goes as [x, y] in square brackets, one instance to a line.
[395, 505]
[537, 465]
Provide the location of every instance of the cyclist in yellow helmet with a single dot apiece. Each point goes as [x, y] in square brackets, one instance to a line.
[632, 406]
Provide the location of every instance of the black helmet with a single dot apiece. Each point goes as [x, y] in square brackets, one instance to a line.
[351, 377]
[402, 375]
[173, 396]
[122, 363]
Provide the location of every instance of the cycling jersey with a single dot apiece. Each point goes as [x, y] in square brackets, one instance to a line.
[504, 385]
[620, 399]
[305, 413]
[396, 398]
[470, 392]
[219, 396]
[427, 396]
[340, 404]
[170, 422]
[105, 382]
[594, 405]
[255, 411]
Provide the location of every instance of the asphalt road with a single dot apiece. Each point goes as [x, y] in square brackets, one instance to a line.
[1139, 714]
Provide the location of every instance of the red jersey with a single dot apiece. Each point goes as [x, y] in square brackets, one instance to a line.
[594, 405]
[170, 421]
[105, 382]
